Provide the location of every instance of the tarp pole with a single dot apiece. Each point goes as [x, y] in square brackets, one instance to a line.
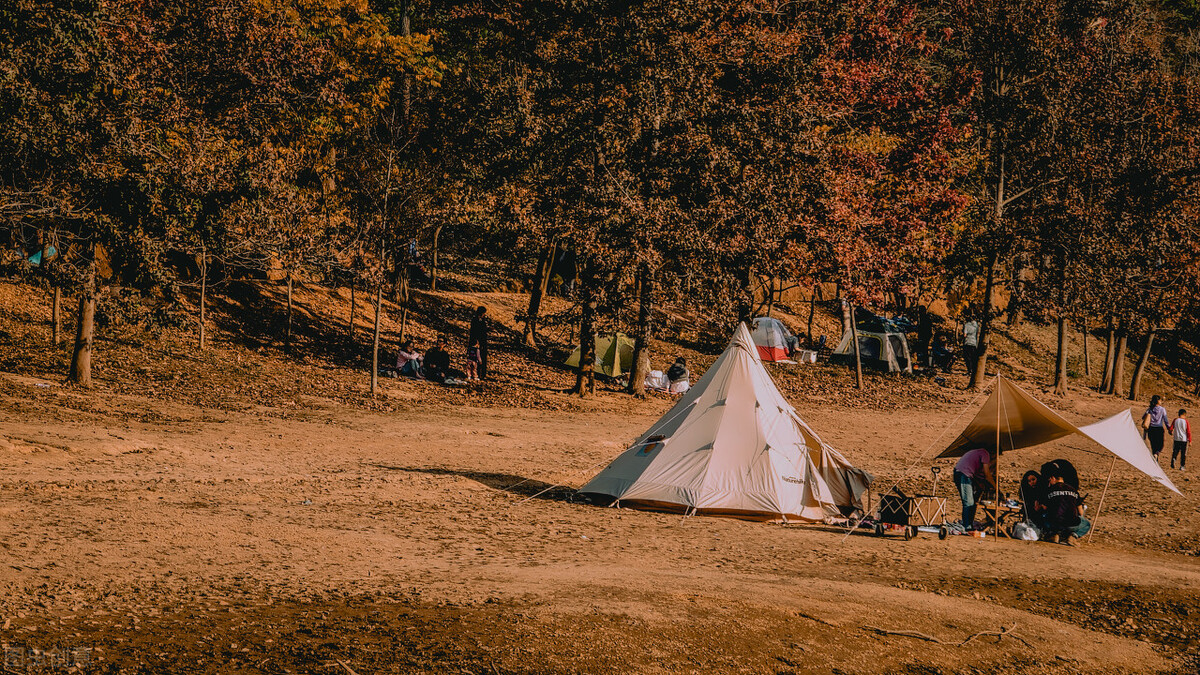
[996, 470]
[1102, 495]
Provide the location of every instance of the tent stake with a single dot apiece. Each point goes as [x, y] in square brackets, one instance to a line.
[1102, 495]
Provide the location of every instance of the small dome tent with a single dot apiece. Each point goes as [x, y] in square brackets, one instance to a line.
[772, 338]
[886, 351]
[733, 446]
[614, 355]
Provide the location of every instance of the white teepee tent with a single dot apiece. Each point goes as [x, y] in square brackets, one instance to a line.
[733, 446]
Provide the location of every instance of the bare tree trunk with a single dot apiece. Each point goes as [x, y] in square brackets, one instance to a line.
[585, 376]
[812, 310]
[770, 296]
[405, 295]
[287, 336]
[433, 267]
[641, 345]
[1135, 385]
[985, 325]
[847, 316]
[858, 375]
[1016, 301]
[203, 293]
[540, 284]
[1118, 363]
[56, 316]
[1109, 349]
[375, 341]
[1087, 358]
[1060, 364]
[81, 359]
[353, 306]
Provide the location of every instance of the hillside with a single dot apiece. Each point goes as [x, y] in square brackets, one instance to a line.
[140, 352]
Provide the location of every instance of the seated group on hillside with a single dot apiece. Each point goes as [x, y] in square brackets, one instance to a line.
[434, 365]
[1051, 502]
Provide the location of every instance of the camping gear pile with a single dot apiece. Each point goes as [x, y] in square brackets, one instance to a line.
[733, 446]
[913, 514]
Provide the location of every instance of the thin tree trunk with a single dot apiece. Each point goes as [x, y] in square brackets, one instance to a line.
[353, 306]
[1109, 348]
[540, 284]
[1135, 384]
[770, 296]
[858, 374]
[1060, 364]
[847, 316]
[405, 296]
[287, 336]
[81, 359]
[812, 310]
[585, 375]
[641, 345]
[203, 293]
[985, 325]
[375, 341]
[1118, 363]
[56, 316]
[1087, 358]
[1017, 300]
[433, 267]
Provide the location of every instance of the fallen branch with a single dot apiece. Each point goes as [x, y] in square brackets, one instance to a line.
[348, 668]
[1000, 634]
[905, 633]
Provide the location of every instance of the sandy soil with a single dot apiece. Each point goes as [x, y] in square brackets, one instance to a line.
[439, 538]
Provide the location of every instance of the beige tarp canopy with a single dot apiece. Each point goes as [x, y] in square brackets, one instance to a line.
[1024, 421]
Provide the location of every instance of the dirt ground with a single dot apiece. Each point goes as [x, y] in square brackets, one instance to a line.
[152, 535]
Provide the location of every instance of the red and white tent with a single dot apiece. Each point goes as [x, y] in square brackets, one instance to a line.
[771, 338]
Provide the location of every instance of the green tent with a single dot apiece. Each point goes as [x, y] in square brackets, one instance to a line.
[614, 355]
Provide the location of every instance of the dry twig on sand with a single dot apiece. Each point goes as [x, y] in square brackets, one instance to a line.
[1000, 634]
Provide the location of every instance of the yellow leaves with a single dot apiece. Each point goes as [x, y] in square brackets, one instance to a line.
[872, 142]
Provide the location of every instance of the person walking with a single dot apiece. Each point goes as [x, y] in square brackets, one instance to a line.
[477, 339]
[1181, 432]
[1155, 424]
[971, 343]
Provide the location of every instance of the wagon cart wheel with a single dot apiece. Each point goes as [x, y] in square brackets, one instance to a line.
[910, 532]
[943, 531]
[878, 529]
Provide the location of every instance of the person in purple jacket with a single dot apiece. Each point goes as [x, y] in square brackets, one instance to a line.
[974, 468]
[1155, 424]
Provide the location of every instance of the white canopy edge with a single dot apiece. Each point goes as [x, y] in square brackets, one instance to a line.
[1119, 435]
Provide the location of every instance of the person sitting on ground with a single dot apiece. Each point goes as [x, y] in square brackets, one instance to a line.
[679, 376]
[1062, 511]
[1031, 497]
[940, 355]
[973, 469]
[408, 360]
[437, 362]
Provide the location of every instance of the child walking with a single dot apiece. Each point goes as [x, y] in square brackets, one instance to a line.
[1181, 431]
